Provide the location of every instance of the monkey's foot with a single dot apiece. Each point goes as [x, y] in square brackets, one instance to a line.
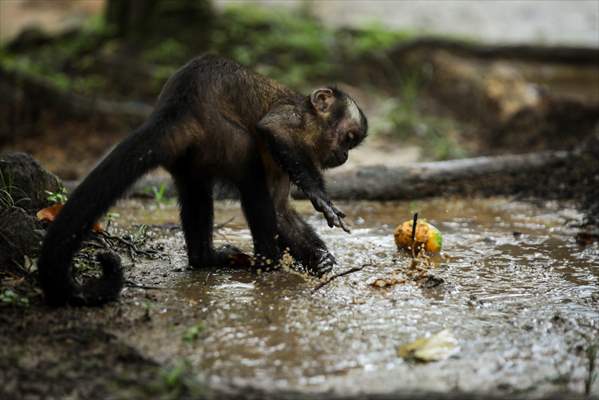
[231, 256]
[325, 264]
[224, 256]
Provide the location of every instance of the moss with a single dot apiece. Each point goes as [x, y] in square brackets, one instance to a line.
[25, 65]
[372, 39]
[407, 121]
[167, 51]
[291, 48]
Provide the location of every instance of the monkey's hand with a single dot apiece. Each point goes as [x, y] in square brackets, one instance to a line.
[324, 265]
[333, 215]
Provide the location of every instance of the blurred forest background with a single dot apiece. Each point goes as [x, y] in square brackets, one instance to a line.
[437, 80]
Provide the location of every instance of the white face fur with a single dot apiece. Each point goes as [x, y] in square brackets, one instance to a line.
[354, 112]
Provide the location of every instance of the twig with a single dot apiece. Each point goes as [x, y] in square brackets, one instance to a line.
[138, 286]
[343, 273]
[124, 241]
[223, 224]
[130, 245]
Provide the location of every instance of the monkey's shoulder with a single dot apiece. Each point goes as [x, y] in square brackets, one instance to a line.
[285, 115]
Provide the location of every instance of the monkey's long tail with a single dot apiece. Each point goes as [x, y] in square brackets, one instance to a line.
[133, 157]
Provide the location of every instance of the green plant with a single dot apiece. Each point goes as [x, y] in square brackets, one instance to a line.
[9, 297]
[7, 191]
[167, 51]
[292, 48]
[179, 381]
[110, 218]
[173, 377]
[436, 135]
[193, 332]
[158, 193]
[27, 266]
[375, 38]
[6, 199]
[140, 234]
[591, 353]
[59, 197]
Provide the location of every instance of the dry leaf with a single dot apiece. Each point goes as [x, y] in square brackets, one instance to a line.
[439, 346]
[49, 214]
[383, 283]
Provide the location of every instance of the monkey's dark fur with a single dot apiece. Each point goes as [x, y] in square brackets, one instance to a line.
[216, 121]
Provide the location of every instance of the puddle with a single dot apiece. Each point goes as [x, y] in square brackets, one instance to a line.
[520, 296]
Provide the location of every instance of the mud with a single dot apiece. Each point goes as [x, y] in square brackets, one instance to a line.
[517, 291]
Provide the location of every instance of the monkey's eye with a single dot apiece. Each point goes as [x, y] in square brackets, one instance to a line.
[351, 136]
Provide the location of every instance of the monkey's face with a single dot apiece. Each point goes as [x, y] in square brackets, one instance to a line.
[344, 125]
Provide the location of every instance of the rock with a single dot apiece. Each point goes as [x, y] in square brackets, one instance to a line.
[20, 236]
[24, 182]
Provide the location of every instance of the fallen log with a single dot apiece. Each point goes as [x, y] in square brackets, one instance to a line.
[481, 176]
[571, 55]
[484, 176]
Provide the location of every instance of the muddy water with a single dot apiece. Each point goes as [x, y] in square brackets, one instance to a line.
[520, 296]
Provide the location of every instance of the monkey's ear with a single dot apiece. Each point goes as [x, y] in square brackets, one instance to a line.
[322, 99]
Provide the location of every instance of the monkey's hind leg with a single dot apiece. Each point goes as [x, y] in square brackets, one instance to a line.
[197, 219]
[260, 214]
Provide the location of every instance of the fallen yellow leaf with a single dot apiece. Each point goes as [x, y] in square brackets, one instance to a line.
[439, 346]
[49, 214]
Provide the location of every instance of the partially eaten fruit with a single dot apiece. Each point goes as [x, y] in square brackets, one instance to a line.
[426, 236]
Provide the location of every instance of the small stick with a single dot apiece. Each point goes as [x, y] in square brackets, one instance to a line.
[124, 241]
[414, 223]
[223, 224]
[130, 245]
[346, 272]
[138, 286]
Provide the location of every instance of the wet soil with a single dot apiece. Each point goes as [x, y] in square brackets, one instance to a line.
[514, 287]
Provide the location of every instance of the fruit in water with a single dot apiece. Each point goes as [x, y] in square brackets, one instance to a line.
[426, 235]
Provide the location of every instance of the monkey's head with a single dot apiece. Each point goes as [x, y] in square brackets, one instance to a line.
[342, 125]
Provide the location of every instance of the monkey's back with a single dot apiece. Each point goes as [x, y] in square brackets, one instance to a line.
[223, 102]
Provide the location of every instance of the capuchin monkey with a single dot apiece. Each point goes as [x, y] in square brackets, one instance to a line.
[215, 121]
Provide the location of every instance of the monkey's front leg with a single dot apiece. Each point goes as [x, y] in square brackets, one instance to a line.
[303, 172]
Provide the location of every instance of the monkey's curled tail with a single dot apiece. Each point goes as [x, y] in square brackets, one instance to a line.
[134, 156]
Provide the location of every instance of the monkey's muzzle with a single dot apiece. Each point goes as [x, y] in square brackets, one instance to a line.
[336, 159]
